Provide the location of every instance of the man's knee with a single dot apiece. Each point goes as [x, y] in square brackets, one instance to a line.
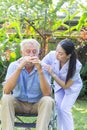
[47, 100]
[7, 98]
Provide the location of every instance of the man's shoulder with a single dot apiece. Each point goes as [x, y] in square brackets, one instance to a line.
[13, 64]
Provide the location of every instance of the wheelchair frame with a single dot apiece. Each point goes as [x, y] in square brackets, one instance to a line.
[20, 123]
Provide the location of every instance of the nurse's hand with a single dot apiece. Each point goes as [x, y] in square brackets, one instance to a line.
[49, 69]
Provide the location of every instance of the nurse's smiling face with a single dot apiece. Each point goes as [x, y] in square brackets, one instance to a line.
[61, 54]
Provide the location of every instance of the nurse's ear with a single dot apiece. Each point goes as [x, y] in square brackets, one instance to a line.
[68, 56]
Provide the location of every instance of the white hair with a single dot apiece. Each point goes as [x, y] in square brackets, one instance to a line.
[31, 42]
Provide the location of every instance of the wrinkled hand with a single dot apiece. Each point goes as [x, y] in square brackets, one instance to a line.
[24, 61]
[36, 61]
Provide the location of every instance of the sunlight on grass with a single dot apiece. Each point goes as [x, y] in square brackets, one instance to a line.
[80, 115]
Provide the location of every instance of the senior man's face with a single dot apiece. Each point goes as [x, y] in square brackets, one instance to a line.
[29, 50]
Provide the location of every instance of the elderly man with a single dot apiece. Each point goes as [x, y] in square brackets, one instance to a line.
[26, 88]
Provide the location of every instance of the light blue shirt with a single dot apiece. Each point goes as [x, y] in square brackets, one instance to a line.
[28, 85]
[50, 59]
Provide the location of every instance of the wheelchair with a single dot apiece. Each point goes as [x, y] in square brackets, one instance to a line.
[31, 123]
[28, 121]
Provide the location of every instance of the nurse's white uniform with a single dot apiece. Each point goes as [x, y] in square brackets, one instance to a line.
[64, 98]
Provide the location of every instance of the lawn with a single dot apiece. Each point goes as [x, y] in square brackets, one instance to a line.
[79, 114]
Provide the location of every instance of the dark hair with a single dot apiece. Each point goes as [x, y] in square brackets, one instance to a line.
[69, 48]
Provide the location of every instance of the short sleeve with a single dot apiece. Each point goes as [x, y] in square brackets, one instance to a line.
[11, 68]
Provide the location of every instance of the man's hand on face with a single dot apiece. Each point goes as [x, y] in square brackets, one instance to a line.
[29, 61]
[36, 61]
[24, 61]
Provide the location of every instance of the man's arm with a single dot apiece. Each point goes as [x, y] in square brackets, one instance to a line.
[45, 87]
[11, 81]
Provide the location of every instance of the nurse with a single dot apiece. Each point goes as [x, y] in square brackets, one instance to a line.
[64, 67]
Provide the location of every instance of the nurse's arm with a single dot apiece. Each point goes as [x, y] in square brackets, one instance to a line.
[62, 83]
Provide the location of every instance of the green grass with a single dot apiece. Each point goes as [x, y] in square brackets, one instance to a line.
[26, 119]
[80, 114]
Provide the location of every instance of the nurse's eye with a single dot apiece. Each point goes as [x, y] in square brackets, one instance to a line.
[59, 53]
